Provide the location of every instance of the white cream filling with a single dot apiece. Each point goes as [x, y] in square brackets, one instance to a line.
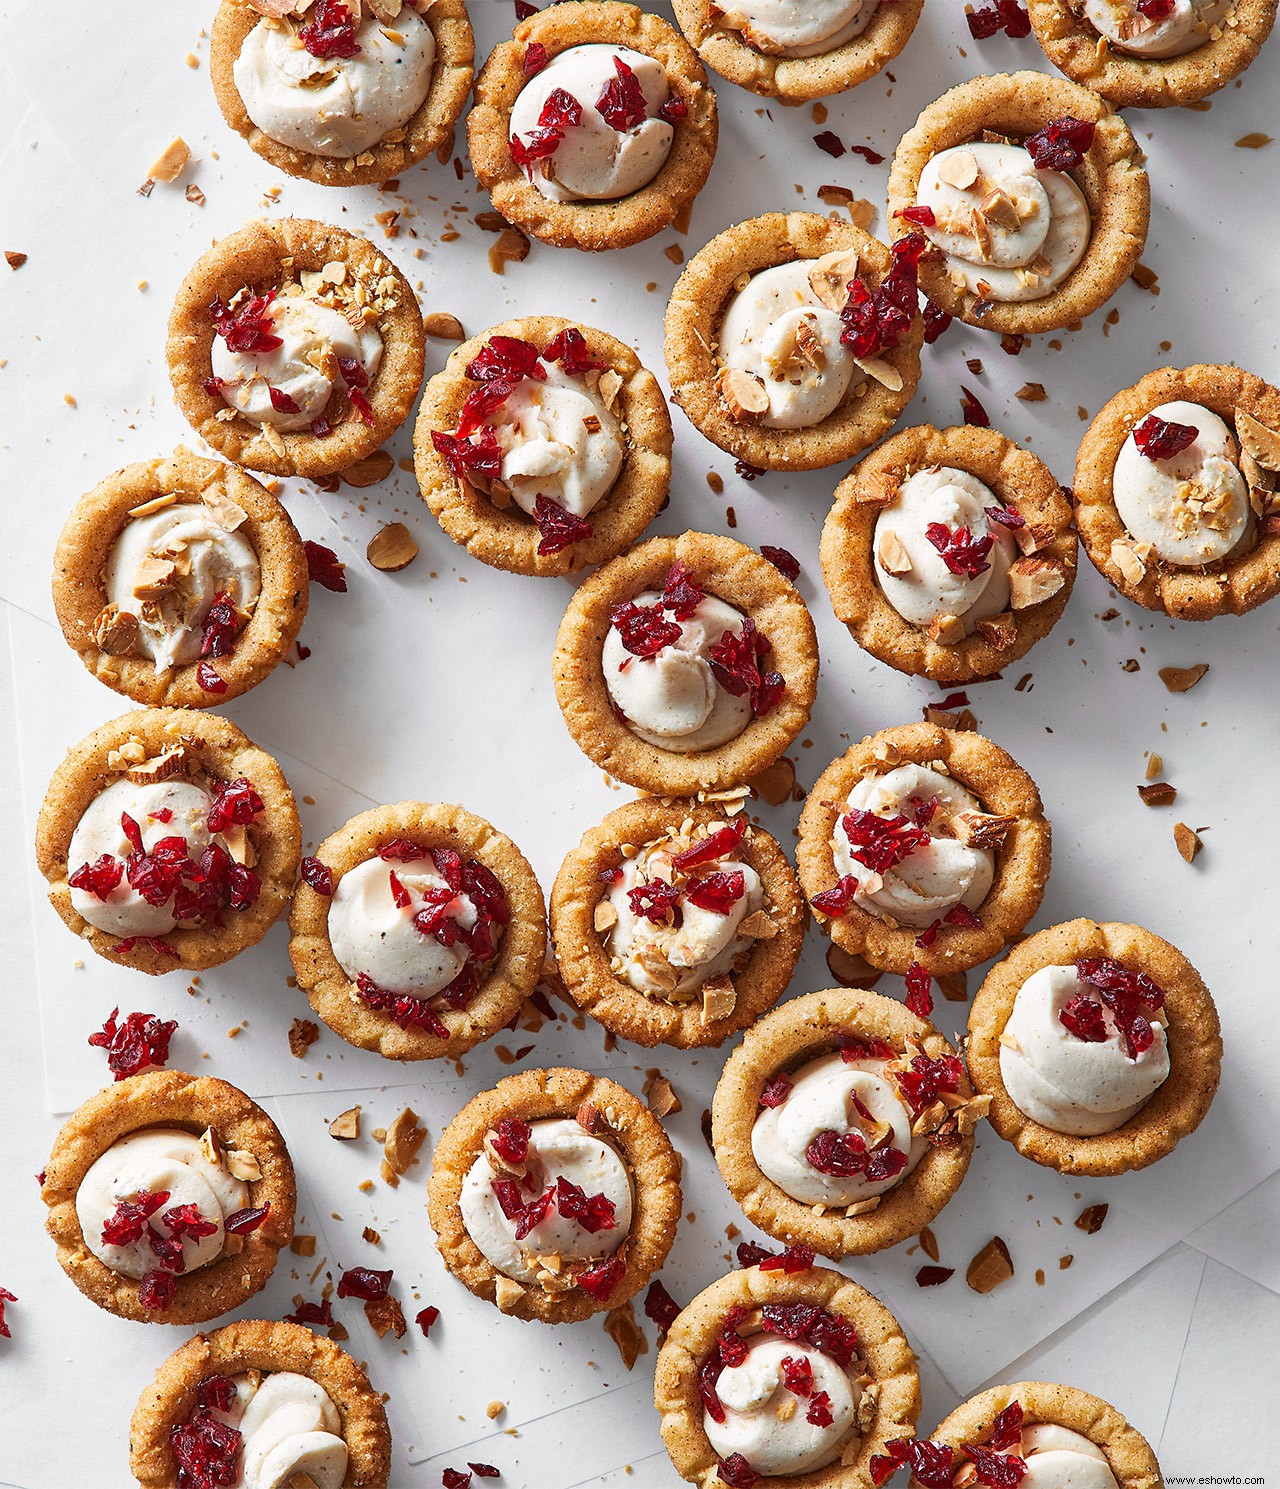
[821, 1100]
[1066, 1083]
[1187, 26]
[594, 161]
[768, 1423]
[935, 877]
[797, 28]
[1010, 260]
[208, 561]
[336, 106]
[1058, 1458]
[928, 591]
[303, 367]
[157, 1159]
[289, 1426]
[672, 700]
[558, 440]
[124, 912]
[704, 945]
[777, 329]
[1193, 509]
[371, 934]
[558, 1148]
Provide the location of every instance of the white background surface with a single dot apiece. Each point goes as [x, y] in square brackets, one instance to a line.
[435, 684]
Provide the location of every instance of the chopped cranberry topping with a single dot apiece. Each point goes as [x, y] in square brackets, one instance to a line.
[506, 358]
[1156, 10]
[234, 801]
[622, 103]
[248, 327]
[157, 1290]
[213, 386]
[836, 900]
[186, 1220]
[920, 216]
[353, 373]
[400, 850]
[128, 1223]
[673, 110]
[717, 892]
[927, 1078]
[872, 157]
[655, 900]
[751, 1254]
[794, 1259]
[318, 875]
[787, 564]
[206, 1450]
[599, 1281]
[221, 625]
[560, 529]
[141, 1040]
[403, 1009]
[1083, 1017]
[735, 663]
[1006, 1430]
[936, 321]
[714, 845]
[1161, 439]
[643, 629]
[819, 1413]
[470, 457]
[216, 1393]
[152, 943]
[852, 1050]
[1129, 995]
[776, 1089]
[805, 1322]
[931, 1463]
[973, 411]
[100, 877]
[880, 843]
[569, 348]
[323, 567]
[919, 998]
[875, 321]
[593, 1214]
[996, 1470]
[364, 1282]
[242, 1222]
[961, 551]
[830, 143]
[560, 111]
[1061, 145]
[363, 407]
[454, 1478]
[681, 592]
[210, 679]
[661, 1307]
[847, 1155]
[933, 1276]
[281, 401]
[535, 59]
[331, 32]
[426, 1319]
[511, 1140]
[310, 1314]
[737, 1473]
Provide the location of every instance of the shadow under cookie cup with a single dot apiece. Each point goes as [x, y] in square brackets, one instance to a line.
[508, 982]
[255, 256]
[258, 1344]
[1017, 478]
[1115, 186]
[617, 1118]
[890, 1360]
[1177, 1107]
[169, 1098]
[796, 80]
[798, 1031]
[692, 328]
[1232, 586]
[84, 548]
[584, 961]
[593, 226]
[726, 570]
[507, 537]
[430, 130]
[1002, 788]
[215, 745]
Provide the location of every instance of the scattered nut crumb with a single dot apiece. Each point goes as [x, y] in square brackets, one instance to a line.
[1159, 794]
[661, 1096]
[443, 327]
[385, 1316]
[303, 1245]
[1091, 1217]
[992, 1266]
[303, 1033]
[1187, 841]
[400, 1147]
[172, 160]
[346, 1125]
[620, 1325]
[1182, 679]
[14, 259]
[392, 548]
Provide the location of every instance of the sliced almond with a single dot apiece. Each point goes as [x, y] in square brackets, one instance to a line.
[1131, 567]
[851, 970]
[511, 247]
[1183, 679]
[386, 10]
[661, 1096]
[172, 160]
[1032, 581]
[775, 782]
[884, 372]
[719, 998]
[385, 1316]
[1187, 841]
[981, 234]
[891, 553]
[506, 1293]
[743, 394]
[830, 276]
[156, 504]
[242, 1165]
[211, 1147]
[605, 917]
[1261, 442]
[154, 577]
[391, 548]
[1000, 631]
[227, 514]
[443, 327]
[959, 169]
[758, 926]
[116, 631]
[404, 1138]
[346, 1125]
[992, 1266]
[369, 471]
[588, 1117]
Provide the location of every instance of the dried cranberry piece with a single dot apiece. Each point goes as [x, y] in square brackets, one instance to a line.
[973, 411]
[1006, 1430]
[876, 321]
[400, 850]
[735, 663]
[836, 900]
[484, 889]
[714, 845]
[599, 1281]
[100, 877]
[213, 386]
[643, 629]
[560, 529]
[152, 943]
[128, 1222]
[186, 1220]
[841, 1155]
[142, 1040]
[880, 843]
[1126, 993]
[681, 592]
[168, 1249]
[470, 457]
[524, 9]
[1083, 1017]
[655, 900]
[216, 1393]
[506, 358]
[308, 1314]
[1015, 18]
[776, 1089]
[323, 567]
[717, 892]
[210, 679]
[996, 1470]
[921, 216]
[931, 1463]
[511, 1140]
[622, 103]
[510, 1199]
[819, 1413]
[331, 32]
[852, 1049]
[248, 327]
[787, 564]
[206, 1451]
[751, 1254]
[673, 110]
[281, 401]
[961, 551]
[1005, 517]
[538, 144]
[1061, 145]
[829, 143]
[404, 1010]
[234, 801]
[983, 23]
[157, 1290]
[569, 348]
[484, 1470]
[318, 875]
[321, 427]
[400, 896]
[1156, 10]
[364, 1282]
[242, 1222]
[593, 1214]
[798, 1258]
[927, 1078]
[453, 1478]
[534, 1213]
[737, 1473]
[919, 998]
[933, 1276]
[363, 407]
[535, 59]
[1161, 439]
[426, 1319]
[733, 1348]
[661, 1307]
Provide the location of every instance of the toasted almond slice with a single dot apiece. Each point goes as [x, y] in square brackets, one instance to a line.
[830, 276]
[369, 471]
[892, 555]
[775, 782]
[719, 998]
[759, 926]
[1032, 581]
[884, 372]
[743, 393]
[959, 169]
[1187, 841]
[981, 829]
[1261, 442]
[661, 1096]
[242, 1165]
[392, 548]
[620, 1325]
[981, 234]
[116, 631]
[443, 326]
[156, 504]
[605, 916]
[346, 1125]
[1127, 561]
[172, 160]
[1183, 679]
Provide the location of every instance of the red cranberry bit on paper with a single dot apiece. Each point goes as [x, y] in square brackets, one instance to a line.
[936, 321]
[622, 103]
[323, 567]
[364, 1282]
[141, 1040]
[331, 32]
[933, 1276]
[681, 593]
[1009, 16]
[931, 1463]
[524, 9]
[776, 1089]
[311, 1314]
[600, 1281]
[836, 900]
[751, 1254]
[973, 411]
[247, 328]
[715, 845]
[318, 875]
[454, 1478]
[872, 157]
[643, 629]
[661, 1307]
[736, 1473]
[829, 143]
[1161, 439]
[787, 564]
[426, 1319]
[157, 1290]
[1061, 145]
[798, 1258]
[880, 843]
[717, 892]
[560, 529]
[919, 998]
[961, 551]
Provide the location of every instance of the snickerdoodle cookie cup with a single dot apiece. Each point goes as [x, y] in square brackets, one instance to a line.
[257, 1348]
[198, 1142]
[661, 104]
[417, 930]
[1040, 1404]
[1022, 250]
[676, 922]
[209, 567]
[797, 72]
[802, 1311]
[1005, 522]
[430, 39]
[169, 840]
[709, 646]
[971, 814]
[1090, 981]
[1128, 79]
[295, 347]
[907, 1155]
[555, 1195]
[1208, 538]
[753, 345]
[571, 466]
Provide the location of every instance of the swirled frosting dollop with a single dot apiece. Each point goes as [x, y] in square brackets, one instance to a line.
[797, 28]
[1188, 25]
[289, 1428]
[1058, 1458]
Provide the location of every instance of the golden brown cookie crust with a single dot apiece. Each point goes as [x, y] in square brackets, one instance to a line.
[692, 330]
[592, 226]
[255, 255]
[1020, 481]
[430, 129]
[798, 1031]
[731, 572]
[890, 1360]
[1076, 49]
[222, 749]
[84, 548]
[1129, 1455]
[1022, 862]
[583, 958]
[512, 977]
[256, 1344]
[1195, 1049]
[1232, 586]
[506, 538]
[622, 1120]
[168, 1098]
[799, 79]
[1111, 177]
